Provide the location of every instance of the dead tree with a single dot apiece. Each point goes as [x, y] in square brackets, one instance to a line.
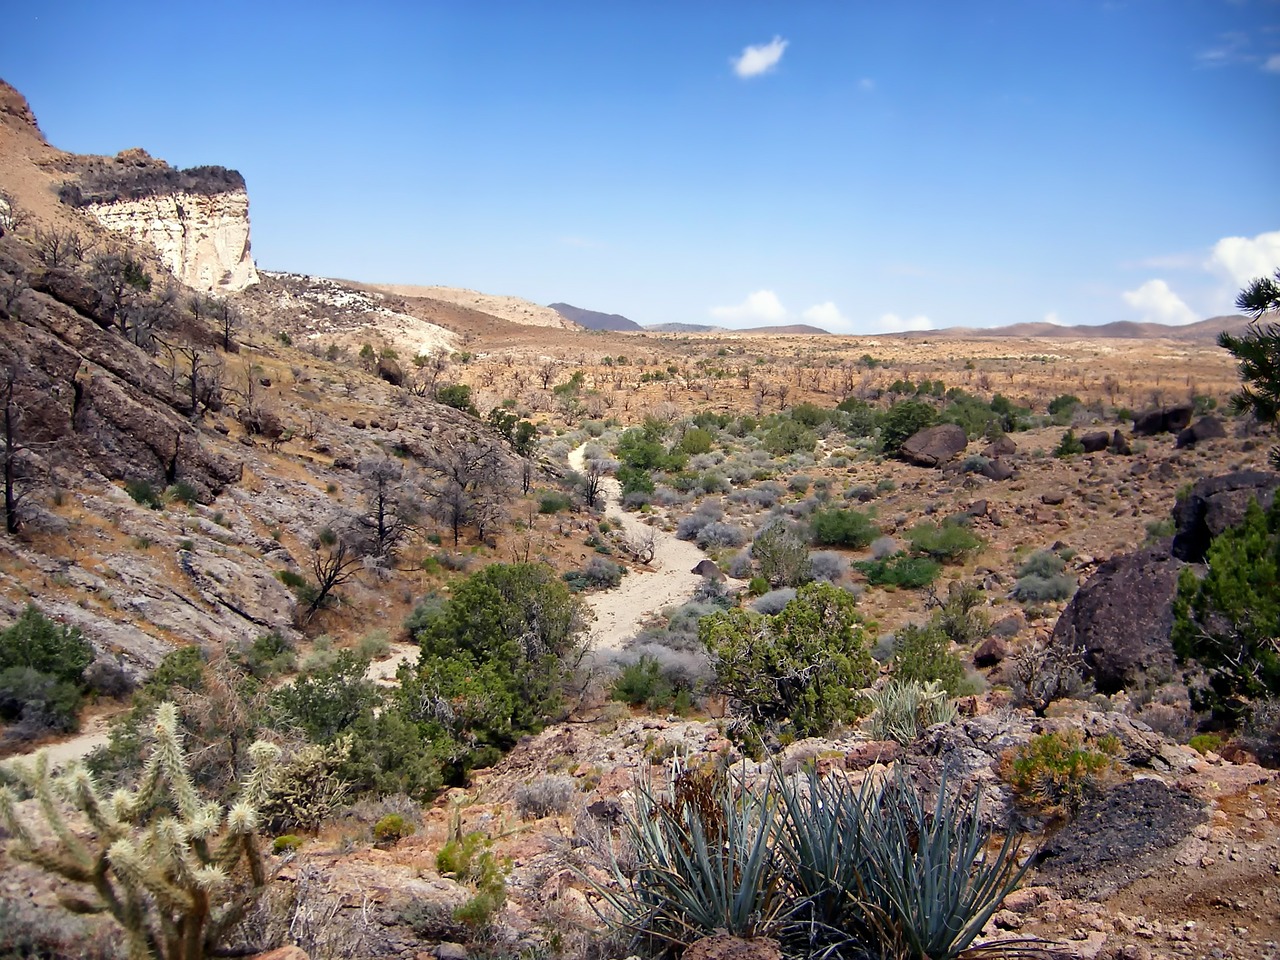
[335, 560]
[389, 510]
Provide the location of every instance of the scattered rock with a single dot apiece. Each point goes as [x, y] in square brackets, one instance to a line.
[451, 951]
[990, 653]
[1002, 446]
[870, 752]
[997, 470]
[934, 446]
[1052, 499]
[1120, 619]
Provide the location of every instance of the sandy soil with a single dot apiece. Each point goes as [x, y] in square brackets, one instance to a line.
[643, 592]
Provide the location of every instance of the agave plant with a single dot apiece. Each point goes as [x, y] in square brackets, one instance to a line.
[707, 863]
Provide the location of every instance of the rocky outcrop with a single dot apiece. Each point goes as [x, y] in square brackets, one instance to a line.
[1216, 504]
[1164, 420]
[202, 239]
[1096, 441]
[1121, 618]
[934, 446]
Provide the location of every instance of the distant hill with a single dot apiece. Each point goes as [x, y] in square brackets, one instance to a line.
[794, 329]
[593, 320]
[1203, 330]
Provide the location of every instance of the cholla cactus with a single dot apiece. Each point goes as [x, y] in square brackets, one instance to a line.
[160, 859]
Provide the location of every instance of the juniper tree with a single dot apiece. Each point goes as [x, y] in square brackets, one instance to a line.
[1258, 350]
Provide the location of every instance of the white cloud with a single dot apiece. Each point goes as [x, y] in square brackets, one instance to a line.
[756, 60]
[763, 306]
[1052, 317]
[866, 84]
[827, 316]
[892, 323]
[1273, 63]
[1159, 304]
[1241, 260]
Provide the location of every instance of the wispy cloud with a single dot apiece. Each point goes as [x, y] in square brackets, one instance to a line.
[1242, 259]
[757, 60]
[1157, 303]
[1230, 48]
[763, 306]
[1053, 318]
[1273, 63]
[828, 316]
[892, 323]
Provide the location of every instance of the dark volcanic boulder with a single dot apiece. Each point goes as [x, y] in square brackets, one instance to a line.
[934, 446]
[391, 371]
[1096, 441]
[706, 567]
[1206, 428]
[997, 470]
[1164, 420]
[1001, 446]
[1120, 444]
[1216, 504]
[1120, 619]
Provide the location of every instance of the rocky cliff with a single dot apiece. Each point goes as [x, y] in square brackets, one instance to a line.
[197, 219]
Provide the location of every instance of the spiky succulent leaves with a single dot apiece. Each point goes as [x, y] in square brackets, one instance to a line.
[933, 874]
[704, 866]
[67, 856]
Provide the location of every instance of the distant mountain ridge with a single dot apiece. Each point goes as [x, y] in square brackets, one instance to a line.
[593, 319]
[1117, 330]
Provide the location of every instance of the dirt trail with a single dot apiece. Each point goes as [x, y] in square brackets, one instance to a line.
[620, 611]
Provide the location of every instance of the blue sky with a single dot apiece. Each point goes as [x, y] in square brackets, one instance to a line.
[865, 166]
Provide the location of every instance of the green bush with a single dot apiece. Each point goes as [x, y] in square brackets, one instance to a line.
[789, 437]
[900, 570]
[1229, 621]
[144, 494]
[797, 673]
[1205, 743]
[923, 655]
[289, 843]
[1068, 446]
[948, 542]
[391, 829]
[696, 441]
[554, 501]
[458, 396]
[1062, 407]
[783, 558]
[904, 419]
[1054, 772]
[844, 528]
[1042, 577]
[37, 703]
[469, 860]
[41, 644]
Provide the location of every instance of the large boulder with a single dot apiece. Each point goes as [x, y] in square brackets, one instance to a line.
[1121, 618]
[1216, 504]
[934, 446]
[706, 567]
[997, 469]
[1206, 428]
[1163, 420]
[1001, 446]
[1096, 441]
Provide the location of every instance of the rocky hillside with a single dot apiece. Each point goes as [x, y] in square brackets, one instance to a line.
[593, 319]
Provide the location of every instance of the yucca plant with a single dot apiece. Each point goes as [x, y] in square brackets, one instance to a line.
[902, 708]
[707, 863]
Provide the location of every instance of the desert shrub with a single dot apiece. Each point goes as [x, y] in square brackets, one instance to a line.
[144, 494]
[1205, 743]
[691, 525]
[1038, 674]
[740, 566]
[42, 666]
[962, 616]
[37, 703]
[1062, 407]
[799, 483]
[1260, 730]
[1042, 578]
[718, 535]
[106, 677]
[41, 644]
[789, 437]
[884, 547]
[391, 829]
[1069, 445]
[182, 492]
[904, 418]
[774, 601]
[1228, 620]
[797, 672]
[545, 796]
[827, 565]
[635, 480]
[902, 708]
[310, 787]
[554, 501]
[599, 573]
[1055, 772]
[843, 528]
[783, 558]
[900, 570]
[373, 645]
[696, 441]
[948, 542]
[287, 843]
[469, 860]
[923, 655]
[270, 655]
[975, 463]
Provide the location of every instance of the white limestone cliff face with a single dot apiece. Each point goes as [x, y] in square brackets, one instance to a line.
[202, 238]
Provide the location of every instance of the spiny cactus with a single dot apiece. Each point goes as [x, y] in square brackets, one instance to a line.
[160, 859]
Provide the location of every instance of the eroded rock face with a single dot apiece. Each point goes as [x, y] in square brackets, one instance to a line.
[934, 446]
[202, 238]
[1121, 618]
[1215, 505]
